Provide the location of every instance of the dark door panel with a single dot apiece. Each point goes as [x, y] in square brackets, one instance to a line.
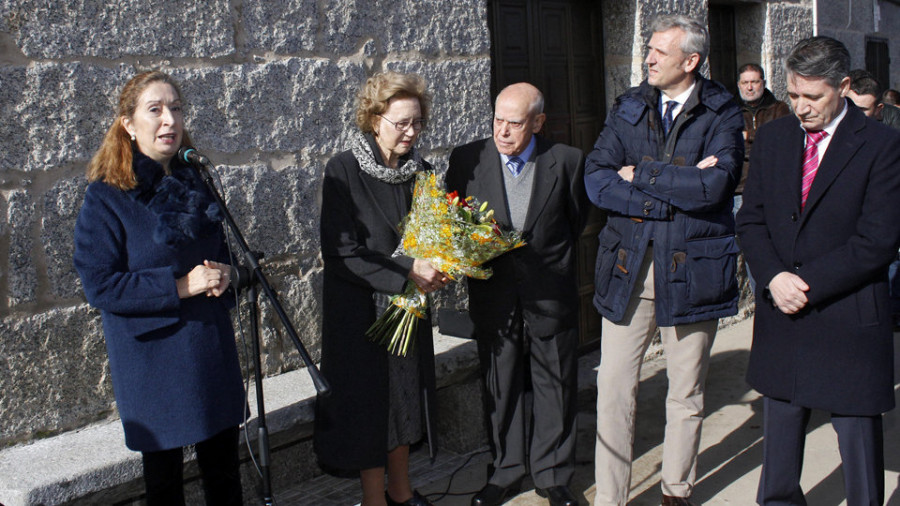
[556, 45]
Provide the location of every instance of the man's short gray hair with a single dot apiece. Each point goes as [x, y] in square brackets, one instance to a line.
[696, 36]
[819, 57]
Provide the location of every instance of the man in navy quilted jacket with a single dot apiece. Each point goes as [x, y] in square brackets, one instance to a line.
[664, 169]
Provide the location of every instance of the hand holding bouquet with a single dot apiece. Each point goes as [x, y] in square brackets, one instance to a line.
[456, 236]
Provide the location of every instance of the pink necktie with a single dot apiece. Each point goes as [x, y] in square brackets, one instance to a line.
[810, 162]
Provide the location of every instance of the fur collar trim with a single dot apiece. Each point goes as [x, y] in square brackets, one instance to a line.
[182, 205]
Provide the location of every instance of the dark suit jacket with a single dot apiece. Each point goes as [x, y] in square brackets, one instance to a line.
[540, 275]
[837, 353]
[359, 232]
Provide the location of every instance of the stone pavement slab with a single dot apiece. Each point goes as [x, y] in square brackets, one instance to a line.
[730, 455]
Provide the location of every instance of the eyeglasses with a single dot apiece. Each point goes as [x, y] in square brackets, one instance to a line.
[513, 125]
[417, 124]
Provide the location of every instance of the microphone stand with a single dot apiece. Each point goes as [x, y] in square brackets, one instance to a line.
[250, 281]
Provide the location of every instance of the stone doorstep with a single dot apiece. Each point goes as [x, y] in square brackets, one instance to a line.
[92, 459]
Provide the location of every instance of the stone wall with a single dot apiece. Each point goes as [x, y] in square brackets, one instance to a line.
[626, 32]
[852, 22]
[270, 88]
[765, 32]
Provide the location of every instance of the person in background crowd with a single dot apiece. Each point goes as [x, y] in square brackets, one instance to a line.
[759, 106]
[665, 168]
[819, 228]
[865, 92]
[379, 402]
[151, 254]
[526, 314]
[891, 97]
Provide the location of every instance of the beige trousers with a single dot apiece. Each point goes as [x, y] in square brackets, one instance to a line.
[623, 346]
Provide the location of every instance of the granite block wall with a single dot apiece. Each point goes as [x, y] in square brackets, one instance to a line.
[269, 86]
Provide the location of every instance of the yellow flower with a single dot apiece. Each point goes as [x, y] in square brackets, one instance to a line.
[457, 238]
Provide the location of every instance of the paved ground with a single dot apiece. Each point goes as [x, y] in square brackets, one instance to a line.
[730, 456]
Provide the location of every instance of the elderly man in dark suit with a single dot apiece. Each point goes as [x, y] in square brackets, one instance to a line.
[819, 228]
[525, 315]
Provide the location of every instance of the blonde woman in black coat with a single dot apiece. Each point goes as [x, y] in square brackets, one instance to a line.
[379, 401]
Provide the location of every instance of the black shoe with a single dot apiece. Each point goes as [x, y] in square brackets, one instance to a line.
[669, 500]
[494, 495]
[558, 496]
[416, 500]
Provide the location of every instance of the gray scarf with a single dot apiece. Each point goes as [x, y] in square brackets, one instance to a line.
[366, 158]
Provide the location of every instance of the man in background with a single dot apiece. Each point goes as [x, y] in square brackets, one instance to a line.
[759, 106]
[865, 92]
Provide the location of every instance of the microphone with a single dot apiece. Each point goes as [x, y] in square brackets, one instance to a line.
[193, 157]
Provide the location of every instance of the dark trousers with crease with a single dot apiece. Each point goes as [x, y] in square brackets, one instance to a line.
[219, 468]
[861, 444]
[549, 450]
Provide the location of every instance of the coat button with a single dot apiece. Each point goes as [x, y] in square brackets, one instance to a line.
[652, 180]
[647, 203]
[793, 216]
[798, 265]
[646, 212]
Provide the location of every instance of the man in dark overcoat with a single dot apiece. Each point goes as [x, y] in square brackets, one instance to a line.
[525, 314]
[819, 228]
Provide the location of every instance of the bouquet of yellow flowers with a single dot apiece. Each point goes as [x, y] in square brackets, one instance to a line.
[456, 236]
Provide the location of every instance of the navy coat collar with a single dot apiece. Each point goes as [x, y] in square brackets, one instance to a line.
[637, 101]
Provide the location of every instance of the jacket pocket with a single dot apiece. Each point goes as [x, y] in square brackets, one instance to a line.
[711, 265]
[607, 258]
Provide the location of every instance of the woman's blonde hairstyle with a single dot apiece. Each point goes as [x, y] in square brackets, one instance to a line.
[378, 91]
[112, 162]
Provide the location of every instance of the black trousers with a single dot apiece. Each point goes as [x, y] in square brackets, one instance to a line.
[549, 450]
[219, 469]
[860, 441]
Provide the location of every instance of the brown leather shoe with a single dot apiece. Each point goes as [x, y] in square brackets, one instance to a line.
[669, 500]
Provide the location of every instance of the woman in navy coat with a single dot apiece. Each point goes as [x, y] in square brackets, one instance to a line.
[379, 402]
[150, 252]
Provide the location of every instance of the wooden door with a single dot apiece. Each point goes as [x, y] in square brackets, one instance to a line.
[878, 62]
[722, 47]
[556, 46]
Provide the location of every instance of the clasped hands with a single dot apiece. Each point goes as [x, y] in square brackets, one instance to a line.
[627, 171]
[211, 278]
[788, 292]
[426, 277]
